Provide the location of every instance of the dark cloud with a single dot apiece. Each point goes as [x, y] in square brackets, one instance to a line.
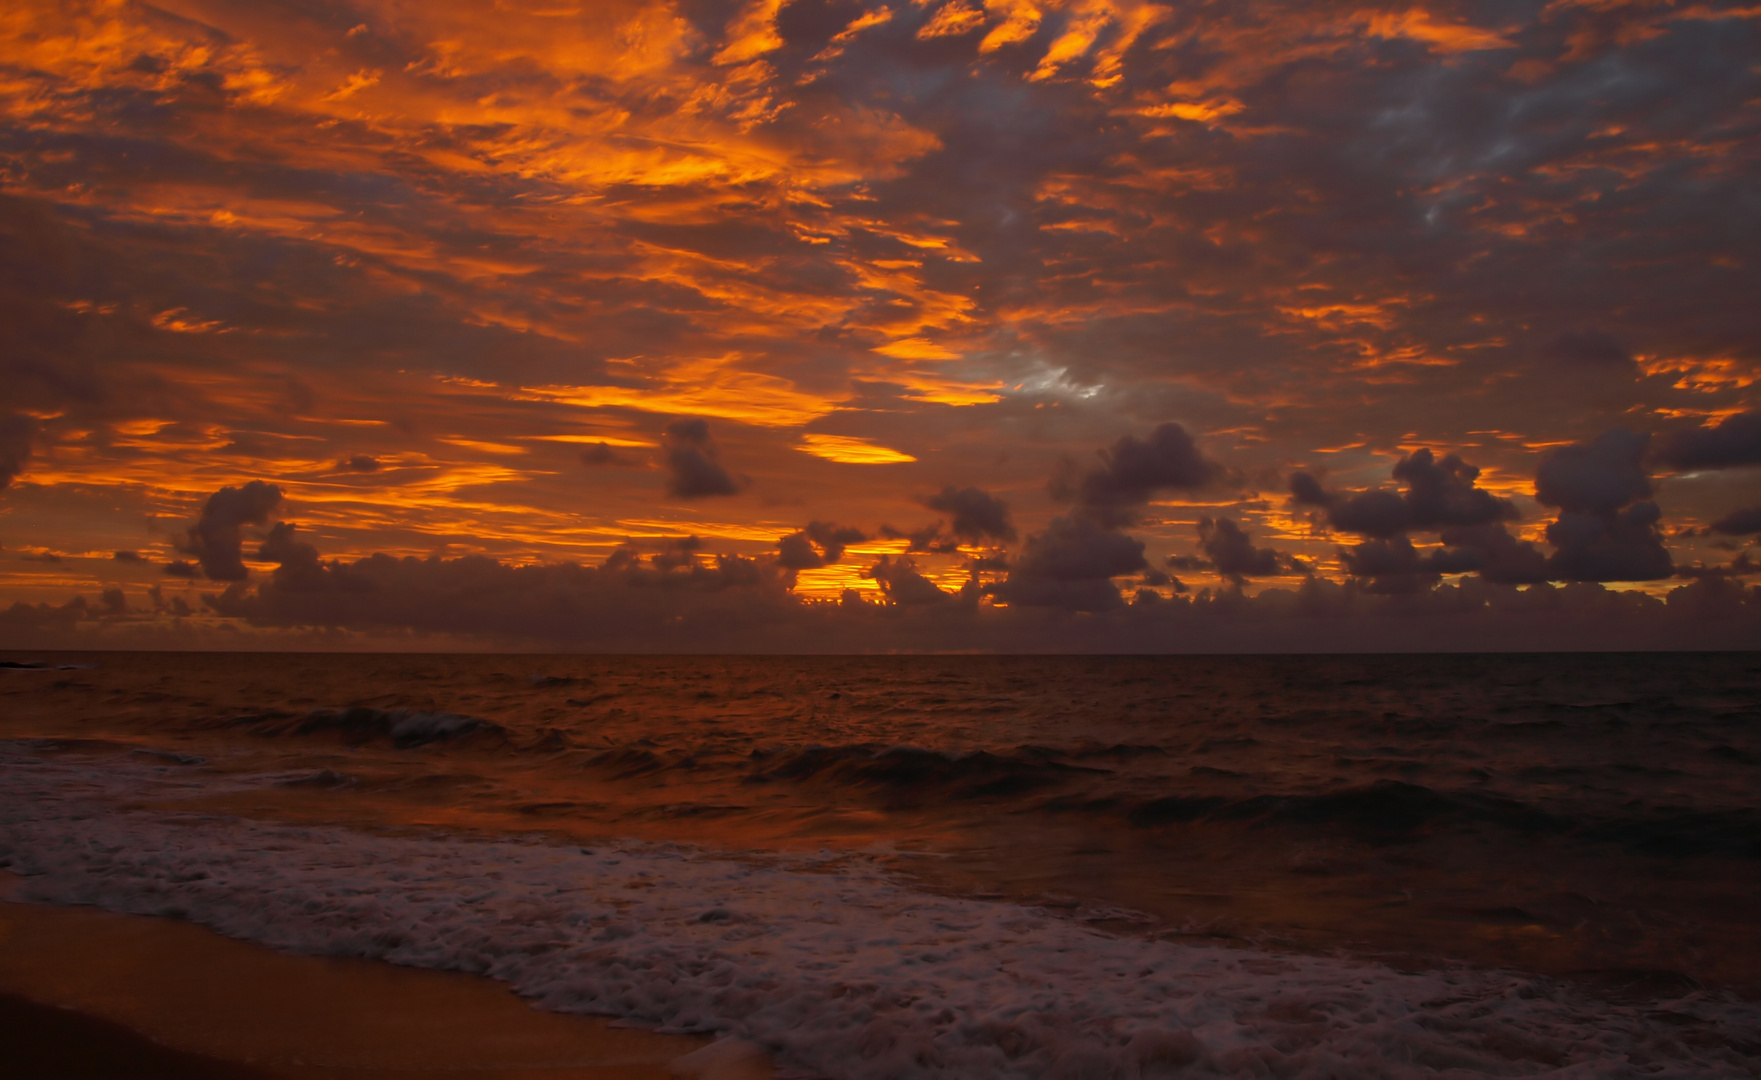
[796, 552]
[298, 561]
[1132, 471]
[16, 432]
[1379, 514]
[1740, 567]
[692, 461]
[977, 514]
[821, 543]
[1503, 558]
[1440, 493]
[1733, 442]
[1598, 535]
[1395, 566]
[627, 603]
[127, 556]
[216, 539]
[677, 554]
[41, 556]
[1595, 478]
[902, 583]
[604, 455]
[1070, 565]
[929, 538]
[833, 539]
[359, 463]
[1622, 546]
[1232, 553]
[1589, 349]
[181, 568]
[1739, 522]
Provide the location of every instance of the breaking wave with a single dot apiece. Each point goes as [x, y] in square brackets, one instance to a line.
[829, 963]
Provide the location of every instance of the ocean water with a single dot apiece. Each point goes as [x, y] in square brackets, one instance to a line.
[957, 866]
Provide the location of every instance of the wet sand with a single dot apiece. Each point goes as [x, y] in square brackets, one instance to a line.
[88, 993]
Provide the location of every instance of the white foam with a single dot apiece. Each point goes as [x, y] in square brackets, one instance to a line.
[830, 965]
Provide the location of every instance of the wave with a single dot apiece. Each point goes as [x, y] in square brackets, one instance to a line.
[825, 961]
[909, 773]
[362, 723]
[1390, 810]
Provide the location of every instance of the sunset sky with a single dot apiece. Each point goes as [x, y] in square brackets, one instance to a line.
[650, 323]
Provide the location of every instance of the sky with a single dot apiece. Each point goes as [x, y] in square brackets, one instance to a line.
[844, 325]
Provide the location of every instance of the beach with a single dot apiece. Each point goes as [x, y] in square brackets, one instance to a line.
[892, 866]
[85, 992]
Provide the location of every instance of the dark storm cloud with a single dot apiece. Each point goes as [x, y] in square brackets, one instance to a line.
[216, 539]
[1739, 522]
[359, 463]
[1232, 553]
[16, 431]
[693, 462]
[1734, 441]
[1440, 493]
[1604, 532]
[1132, 471]
[977, 514]
[127, 556]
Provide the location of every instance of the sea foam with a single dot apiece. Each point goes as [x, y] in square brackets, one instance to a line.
[836, 968]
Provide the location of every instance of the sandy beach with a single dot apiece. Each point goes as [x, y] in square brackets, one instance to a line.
[87, 993]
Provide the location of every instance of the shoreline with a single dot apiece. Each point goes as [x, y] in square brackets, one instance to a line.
[92, 993]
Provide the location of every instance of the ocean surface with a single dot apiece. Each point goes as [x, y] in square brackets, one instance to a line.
[1068, 867]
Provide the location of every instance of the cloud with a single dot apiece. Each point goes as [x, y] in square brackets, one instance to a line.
[127, 556]
[692, 461]
[902, 583]
[1070, 565]
[1598, 535]
[1589, 350]
[359, 463]
[928, 538]
[1739, 522]
[1395, 566]
[1504, 559]
[216, 537]
[604, 455]
[625, 603]
[1599, 477]
[16, 431]
[1622, 546]
[977, 514]
[1232, 553]
[797, 550]
[1734, 441]
[1440, 493]
[1132, 471]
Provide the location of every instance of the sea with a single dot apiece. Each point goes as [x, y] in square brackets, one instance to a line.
[1079, 868]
